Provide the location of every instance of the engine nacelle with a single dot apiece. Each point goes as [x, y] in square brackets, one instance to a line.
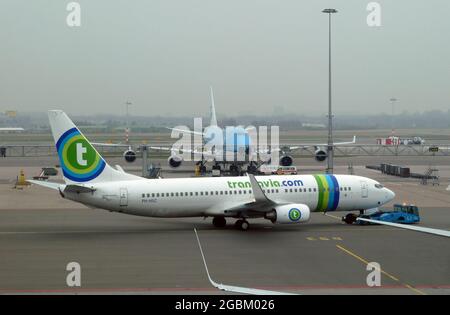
[289, 214]
[286, 160]
[129, 156]
[320, 155]
[174, 161]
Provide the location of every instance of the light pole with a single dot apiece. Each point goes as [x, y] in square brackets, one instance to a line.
[392, 100]
[330, 114]
[127, 131]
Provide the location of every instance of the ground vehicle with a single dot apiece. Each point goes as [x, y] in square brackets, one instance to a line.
[278, 170]
[402, 213]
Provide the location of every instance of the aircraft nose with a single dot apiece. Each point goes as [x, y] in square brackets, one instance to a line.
[390, 194]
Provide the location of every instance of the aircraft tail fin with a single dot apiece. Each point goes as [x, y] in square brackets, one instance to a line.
[80, 161]
[213, 108]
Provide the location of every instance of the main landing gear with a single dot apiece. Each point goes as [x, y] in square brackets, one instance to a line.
[241, 224]
[219, 222]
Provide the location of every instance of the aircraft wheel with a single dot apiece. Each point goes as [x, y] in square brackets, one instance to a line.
[350, 218]
[242, 225]
[219, 222]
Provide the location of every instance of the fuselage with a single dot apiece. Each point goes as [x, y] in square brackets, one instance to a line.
[211, 196]
[230, 139]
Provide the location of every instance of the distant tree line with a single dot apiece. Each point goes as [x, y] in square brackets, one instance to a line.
[110, 123]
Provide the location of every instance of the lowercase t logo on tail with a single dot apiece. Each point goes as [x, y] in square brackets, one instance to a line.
[80, 162]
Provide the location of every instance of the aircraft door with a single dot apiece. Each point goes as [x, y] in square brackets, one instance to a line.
[123, 197]
[364, 189]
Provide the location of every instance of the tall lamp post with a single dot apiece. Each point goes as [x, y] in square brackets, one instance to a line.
[127, 131]
[393, 100]
[330, 114]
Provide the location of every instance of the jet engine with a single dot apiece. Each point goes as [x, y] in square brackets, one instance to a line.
[289, 214]
[286, 160]
[174, 161]
[129, 156]
[320, 155]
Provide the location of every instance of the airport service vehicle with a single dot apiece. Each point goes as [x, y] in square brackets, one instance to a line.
[280, 199]
[393, 140]
[278, 170]
[402, 213]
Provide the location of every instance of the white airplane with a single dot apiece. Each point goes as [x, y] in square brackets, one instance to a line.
[280, 199]
[236, 139]
[11, 129]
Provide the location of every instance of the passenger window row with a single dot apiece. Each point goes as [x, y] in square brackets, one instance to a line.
[233, 192]
[197, 193]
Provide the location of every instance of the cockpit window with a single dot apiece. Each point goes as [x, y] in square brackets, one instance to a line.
[379, 186]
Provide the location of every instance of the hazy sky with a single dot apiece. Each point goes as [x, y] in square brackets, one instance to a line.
[258, 55]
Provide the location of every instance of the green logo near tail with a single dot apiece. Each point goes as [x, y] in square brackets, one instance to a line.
[79, 160]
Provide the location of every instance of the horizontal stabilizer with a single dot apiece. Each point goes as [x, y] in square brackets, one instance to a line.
[46, 184]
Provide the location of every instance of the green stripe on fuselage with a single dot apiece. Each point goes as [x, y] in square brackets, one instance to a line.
[320, 193]
[323, 192]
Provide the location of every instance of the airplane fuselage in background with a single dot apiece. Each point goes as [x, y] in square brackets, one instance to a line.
[231, 139]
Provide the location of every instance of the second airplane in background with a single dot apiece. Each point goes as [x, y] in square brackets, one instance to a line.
[235, 140]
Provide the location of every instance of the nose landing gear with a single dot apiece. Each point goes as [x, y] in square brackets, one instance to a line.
[349, 218]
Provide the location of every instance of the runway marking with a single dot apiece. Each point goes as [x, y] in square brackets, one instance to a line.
[332, 216]
[364, 261]
[324, 238]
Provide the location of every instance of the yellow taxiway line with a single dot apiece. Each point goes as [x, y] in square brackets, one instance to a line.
[364, 261]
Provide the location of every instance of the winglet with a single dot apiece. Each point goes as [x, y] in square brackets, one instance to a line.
[258, 193]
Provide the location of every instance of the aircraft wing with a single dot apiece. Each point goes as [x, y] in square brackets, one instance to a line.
[100, 144]
[322, 144]
[232, 288]
[410, 227]
[187, 131]
[206, 154]
[256, 208]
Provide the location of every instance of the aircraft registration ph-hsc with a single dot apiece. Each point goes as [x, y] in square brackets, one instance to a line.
[280, 199]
